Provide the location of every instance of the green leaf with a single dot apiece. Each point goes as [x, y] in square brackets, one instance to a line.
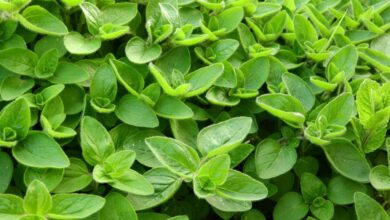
[136, 142]
[6, 172]
[374, 133]
[380, 177]
[273, 160]
[37, 199]
[340, 110]
[128, 76]
[224, 136]
[353, 166]
[68, 73]
[168, 62]
[117, 207]
[118, 163]
[211, 174]
[11, 207]
[172, 108]
[367, 208]
[255, 72]
[239, 186]
[185, 131]
[240, 153]
[50, 177]
[345, 60]
[322, 208]
[71, 206]
[76, 43]
[75, 178]
[14, 87]
[368, 100]
[47, 64]
[283, 106]
[220, 96]
[304, 30]
[103, 88]
[230, 18]
[341, 190]
[15, 121]
[298, 88]
[165, 184]
[381, 44]
[201, 79]
[229, 205]
[175, 155]
[18, 60]
[38, 19]
[290, 206]
[133, 182]
[96, 143]
[138, 51]
[40, 151]
[119, 13]
[217, 169]
[312, 187]
[133, 111]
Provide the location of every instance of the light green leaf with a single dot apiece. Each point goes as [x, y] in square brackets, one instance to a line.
[117, 207]
[201, 79]
[380, 177]
[239, 186]
[47, 64]
[133, 111]
[311, 187]
[40, 20]
[133, 182]
[75, 178]
[224, 136]
[341, 190]
[19, 60]
[273, 160]
[6, 172]
[11, 207]
[96, 143]
[175, 155]
[340, 110]
[172, 108]
[71, 206]
[347, 160]
[68, 73]
[50, 177]
[255, 72]
[119, 13]
[367, 208]
[304, 30]
[283, 106]
[76, 43]
[345, 60]
[229, 205]
[298, 88]
[40, 151]
[138, 51]
[290, 206]
[15, 121]
[165, 184]
[37, 199]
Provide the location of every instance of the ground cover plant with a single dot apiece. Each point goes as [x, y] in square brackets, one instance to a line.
[194, 109]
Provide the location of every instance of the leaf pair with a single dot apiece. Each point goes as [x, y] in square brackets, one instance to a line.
[109, 166]
[39, 204]
[214, 180]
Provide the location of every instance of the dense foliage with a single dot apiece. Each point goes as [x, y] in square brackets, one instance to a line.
[194, 109]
